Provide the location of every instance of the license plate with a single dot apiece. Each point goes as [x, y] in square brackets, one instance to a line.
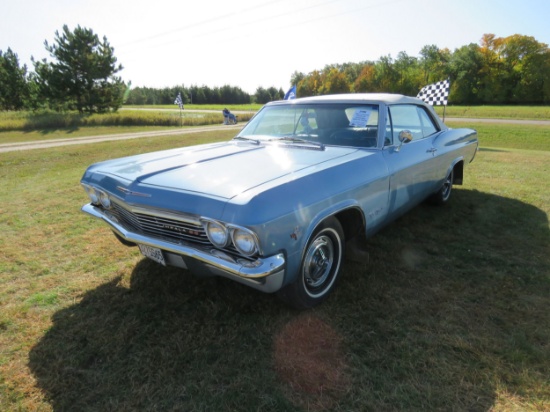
[153, 253]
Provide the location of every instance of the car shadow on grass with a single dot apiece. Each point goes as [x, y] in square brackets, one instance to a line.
[446, 313]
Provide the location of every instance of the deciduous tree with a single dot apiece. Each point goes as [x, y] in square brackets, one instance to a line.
[466, 70]
[334, 82]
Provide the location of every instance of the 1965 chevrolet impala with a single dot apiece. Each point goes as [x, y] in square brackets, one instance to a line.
[274, 207]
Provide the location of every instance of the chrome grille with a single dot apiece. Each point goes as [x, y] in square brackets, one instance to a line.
[161, 227]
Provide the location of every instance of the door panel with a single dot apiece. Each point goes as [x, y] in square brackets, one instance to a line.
[413, 166]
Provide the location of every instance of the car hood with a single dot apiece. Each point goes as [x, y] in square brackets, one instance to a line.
[218, 170]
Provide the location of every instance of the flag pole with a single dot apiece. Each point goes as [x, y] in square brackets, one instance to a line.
[444, 109]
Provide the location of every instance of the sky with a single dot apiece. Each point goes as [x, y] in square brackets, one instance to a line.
[261, 43]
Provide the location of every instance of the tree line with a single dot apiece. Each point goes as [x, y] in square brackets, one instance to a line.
[201, 95]
[509, 70]
[83, 76]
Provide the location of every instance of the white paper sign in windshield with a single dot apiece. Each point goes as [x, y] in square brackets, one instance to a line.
[360, 118]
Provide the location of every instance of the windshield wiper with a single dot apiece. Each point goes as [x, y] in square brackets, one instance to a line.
[294, 139]
[247, 139]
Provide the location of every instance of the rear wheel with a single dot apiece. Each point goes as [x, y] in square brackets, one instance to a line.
[320, 268]
[443, 195]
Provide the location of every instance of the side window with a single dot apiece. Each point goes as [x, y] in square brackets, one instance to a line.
[412, 118]
[428, 126]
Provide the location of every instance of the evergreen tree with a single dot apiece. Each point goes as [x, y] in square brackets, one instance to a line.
[14, 88]
[82, 77]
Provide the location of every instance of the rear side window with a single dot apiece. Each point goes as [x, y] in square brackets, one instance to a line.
[409, 117]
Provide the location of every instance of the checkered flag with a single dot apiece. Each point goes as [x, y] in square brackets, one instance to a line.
[178, 101]
[436, 94]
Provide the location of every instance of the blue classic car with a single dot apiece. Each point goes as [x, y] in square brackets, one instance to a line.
[274, 207]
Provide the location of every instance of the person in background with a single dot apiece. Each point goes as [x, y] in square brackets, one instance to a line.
[228, 117]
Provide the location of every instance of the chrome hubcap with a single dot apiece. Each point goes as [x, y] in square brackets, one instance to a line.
[446, 189]
[318, 262]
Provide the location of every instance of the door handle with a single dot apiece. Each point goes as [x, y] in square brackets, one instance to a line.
[432, 150]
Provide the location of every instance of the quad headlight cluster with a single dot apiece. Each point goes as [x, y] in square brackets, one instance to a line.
[223, 235]
[97, 196]
[220, 235]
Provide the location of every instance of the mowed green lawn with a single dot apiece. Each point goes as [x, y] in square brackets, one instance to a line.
[450, 311]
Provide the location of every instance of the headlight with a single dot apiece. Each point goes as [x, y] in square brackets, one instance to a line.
[221, 236]
[92, 194]
[104, 199]
[244, 241]
[217, 233]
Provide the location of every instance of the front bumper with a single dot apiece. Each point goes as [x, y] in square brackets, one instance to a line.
[265, 274]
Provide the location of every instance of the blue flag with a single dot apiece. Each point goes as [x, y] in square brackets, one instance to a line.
[291, 94]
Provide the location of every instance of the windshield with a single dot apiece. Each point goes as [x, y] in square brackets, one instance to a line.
[330, 124]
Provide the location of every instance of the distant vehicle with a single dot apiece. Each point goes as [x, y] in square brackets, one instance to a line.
[274, 207]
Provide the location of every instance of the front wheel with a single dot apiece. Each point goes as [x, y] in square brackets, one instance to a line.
[320, 267]
[443, 195]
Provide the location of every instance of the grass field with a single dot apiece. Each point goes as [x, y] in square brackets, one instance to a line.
[253, 107]
[497, 112]
[450, 312]
[48, 123]
[41, 125]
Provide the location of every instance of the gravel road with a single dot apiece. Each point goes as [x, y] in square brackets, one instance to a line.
[43, 144]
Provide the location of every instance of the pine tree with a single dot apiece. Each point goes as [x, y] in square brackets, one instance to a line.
[82, 77]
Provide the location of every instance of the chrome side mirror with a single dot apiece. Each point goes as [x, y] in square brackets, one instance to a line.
[405, 136]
